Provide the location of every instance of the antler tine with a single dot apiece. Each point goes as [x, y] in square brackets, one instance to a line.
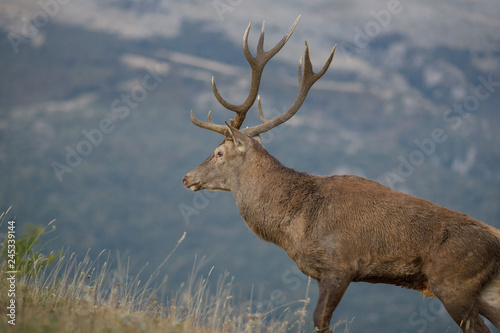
[259, 108]
[209, 124]
[257, 64]
[307, 78]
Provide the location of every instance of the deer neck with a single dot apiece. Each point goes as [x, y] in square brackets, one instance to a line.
[267, 196]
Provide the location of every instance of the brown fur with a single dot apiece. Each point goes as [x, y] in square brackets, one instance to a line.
[342, 229]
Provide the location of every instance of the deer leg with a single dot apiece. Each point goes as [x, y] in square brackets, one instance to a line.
[492, 314]
[489, 302]
[460, 293]
[462, 307]
[331, 291]
[468, 320]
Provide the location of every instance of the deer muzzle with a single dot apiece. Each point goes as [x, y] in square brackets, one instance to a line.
[191, 183]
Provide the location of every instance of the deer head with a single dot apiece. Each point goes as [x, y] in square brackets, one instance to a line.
[222, 169]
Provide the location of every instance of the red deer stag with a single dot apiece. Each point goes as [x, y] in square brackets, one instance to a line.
[340, 229]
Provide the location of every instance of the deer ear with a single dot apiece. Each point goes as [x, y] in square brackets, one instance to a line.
[239, 138]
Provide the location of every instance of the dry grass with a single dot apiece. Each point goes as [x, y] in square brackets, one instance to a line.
[85, 295]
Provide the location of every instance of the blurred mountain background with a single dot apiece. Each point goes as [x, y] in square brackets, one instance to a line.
[95, 130]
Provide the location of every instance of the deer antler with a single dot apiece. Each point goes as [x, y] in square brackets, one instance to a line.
[306, 79]
[257, 65]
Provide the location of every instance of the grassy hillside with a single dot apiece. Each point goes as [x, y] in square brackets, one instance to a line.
[60, 292]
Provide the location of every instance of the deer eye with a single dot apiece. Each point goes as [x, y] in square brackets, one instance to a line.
[219, 153]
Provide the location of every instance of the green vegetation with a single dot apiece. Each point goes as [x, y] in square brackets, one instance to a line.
[28, 261]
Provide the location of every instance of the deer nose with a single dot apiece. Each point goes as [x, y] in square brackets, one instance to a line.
[190, 183]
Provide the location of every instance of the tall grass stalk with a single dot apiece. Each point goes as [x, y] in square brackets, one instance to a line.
[73, 294]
